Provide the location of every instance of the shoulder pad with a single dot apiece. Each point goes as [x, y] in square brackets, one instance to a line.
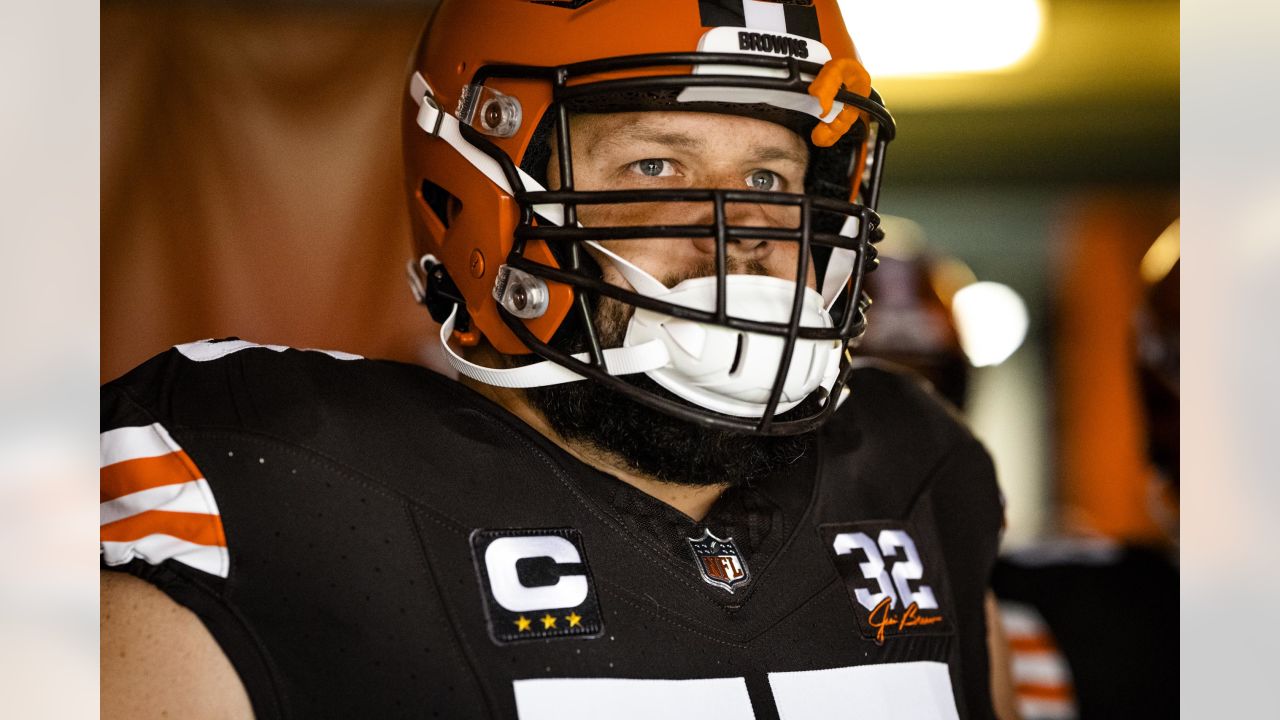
[206, 350]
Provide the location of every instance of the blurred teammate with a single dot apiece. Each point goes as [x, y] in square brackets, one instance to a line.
[915, 327]
[1092, 623]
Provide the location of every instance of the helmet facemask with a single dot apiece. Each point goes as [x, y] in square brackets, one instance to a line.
[754, 326]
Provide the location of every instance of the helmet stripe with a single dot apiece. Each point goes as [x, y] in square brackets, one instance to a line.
[796, 18]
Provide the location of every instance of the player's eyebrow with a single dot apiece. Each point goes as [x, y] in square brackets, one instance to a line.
[774, 152]
[642, 133]
[684, 141]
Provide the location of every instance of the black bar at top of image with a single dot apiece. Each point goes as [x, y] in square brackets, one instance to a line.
[719, 13]
[802, 20]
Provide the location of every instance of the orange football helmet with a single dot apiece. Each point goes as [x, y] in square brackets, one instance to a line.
[500, 257]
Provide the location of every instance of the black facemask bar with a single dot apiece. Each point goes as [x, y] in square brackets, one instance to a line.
[566, 240]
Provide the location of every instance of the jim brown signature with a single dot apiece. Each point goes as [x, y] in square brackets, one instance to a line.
[880, 618]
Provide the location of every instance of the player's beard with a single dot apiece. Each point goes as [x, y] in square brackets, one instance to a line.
[650, 441]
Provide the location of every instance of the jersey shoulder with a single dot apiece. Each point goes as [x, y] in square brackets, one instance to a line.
[158, 499]
[889, 406]
[235, 475]
[894, 442]
[397, 425]
[306, 397]
[229, 383]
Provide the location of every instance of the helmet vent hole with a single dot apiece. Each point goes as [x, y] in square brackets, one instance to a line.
[441, 202]
[737, 354]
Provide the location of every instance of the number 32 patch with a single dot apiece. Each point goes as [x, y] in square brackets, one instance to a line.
[895, 590]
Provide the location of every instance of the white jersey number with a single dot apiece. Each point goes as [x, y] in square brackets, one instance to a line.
[901, 691]
[893, 581]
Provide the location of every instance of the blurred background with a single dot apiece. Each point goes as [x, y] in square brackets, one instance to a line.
[248, 162]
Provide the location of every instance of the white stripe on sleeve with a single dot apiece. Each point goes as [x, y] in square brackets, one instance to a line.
[1022, 620]
[157, 548]
[1043, 709]
[131, 443]
[189, 497]
[1042, 668]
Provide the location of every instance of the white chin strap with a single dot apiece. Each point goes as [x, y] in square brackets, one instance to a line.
[618, 361]
[721, 369]
[718, 368]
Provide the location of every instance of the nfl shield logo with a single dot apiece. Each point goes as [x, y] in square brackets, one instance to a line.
[719, 561]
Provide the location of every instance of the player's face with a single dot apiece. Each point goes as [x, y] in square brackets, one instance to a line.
[671, 150]
[676, 150]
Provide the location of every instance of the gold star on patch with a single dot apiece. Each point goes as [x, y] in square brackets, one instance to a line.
[522, 624]
[573, 618]
[548, 622]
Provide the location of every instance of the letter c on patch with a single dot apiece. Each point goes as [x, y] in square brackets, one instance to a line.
[500, 561]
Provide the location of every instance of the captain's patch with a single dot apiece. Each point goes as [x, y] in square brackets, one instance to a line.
[893, 586]
[536, 584]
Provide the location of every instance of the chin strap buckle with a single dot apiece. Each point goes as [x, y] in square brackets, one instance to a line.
[430, 116]
[432, 287]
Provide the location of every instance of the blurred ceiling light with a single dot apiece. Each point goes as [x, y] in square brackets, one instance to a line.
[991, 320]
[1162, 254]
[927, 37]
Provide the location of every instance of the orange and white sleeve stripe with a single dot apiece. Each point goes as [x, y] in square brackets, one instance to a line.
[155, 503]
[1041, 677]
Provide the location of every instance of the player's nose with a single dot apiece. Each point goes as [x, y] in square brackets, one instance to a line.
[741, 215]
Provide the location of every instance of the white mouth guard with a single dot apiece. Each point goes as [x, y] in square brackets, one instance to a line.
[734, 371]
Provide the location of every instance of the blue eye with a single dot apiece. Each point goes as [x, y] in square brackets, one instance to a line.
[653, 167]
[763, 180]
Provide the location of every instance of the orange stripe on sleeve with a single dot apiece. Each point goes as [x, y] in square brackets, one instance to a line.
[1032, 644]
[193, 527]
[1044, 692]
[130, 476]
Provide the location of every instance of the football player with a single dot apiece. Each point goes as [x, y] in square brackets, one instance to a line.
[660, 489]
